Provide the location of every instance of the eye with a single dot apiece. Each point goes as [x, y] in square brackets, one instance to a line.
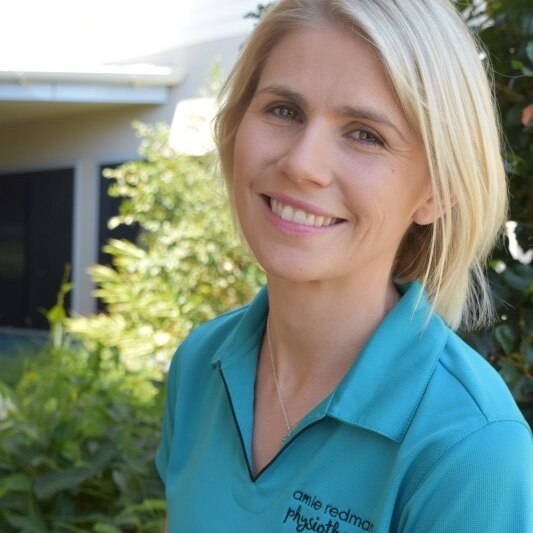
[285, 112]
[366, 137]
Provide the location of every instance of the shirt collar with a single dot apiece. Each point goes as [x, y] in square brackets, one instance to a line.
[246, 336]
[384, 386]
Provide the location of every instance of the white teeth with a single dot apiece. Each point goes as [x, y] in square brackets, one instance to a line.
[298, 216]
[310, 220]
[287, 213]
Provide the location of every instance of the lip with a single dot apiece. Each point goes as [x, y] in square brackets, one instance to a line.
[292, 228]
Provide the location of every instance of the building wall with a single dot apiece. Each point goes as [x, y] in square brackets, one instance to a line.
[87, 140]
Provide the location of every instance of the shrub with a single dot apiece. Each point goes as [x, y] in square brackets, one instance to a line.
[187, 267]
[79, 432]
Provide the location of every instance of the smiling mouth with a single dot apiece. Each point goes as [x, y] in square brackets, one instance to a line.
[299, 216]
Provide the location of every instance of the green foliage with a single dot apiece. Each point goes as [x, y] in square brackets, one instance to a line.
[508, 38]
[506, 29]
[79, 432]
[187, 267]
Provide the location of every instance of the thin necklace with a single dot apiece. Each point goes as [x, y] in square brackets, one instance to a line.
[276, 384]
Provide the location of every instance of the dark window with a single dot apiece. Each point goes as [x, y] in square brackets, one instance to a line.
[35, 243]
[109, 207]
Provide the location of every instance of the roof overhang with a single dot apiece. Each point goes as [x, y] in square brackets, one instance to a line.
[62, 92]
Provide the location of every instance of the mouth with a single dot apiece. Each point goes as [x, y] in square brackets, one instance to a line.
[299, 216]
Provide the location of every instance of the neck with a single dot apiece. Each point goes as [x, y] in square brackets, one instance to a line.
[318, 328]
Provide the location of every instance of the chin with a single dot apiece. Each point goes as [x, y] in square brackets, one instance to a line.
[294, 272]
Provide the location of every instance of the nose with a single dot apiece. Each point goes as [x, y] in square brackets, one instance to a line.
[308, 157]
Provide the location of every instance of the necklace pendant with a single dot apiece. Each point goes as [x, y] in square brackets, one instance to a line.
[285, 439]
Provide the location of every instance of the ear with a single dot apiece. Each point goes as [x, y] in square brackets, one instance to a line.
[428, 211]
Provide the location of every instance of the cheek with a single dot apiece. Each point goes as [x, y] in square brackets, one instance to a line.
[246, 154]
[381, 197]
[239, 152]
[258, 144]
[366, 183]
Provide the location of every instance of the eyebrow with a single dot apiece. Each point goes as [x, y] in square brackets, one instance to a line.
[346, 110]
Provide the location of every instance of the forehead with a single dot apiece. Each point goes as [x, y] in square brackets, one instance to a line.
[328, 63]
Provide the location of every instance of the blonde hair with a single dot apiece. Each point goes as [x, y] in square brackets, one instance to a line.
[435, 68]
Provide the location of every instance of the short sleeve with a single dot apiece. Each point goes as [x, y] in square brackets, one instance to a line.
[482, 484]
[167, 428]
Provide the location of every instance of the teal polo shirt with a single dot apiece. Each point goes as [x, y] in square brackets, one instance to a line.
[421, 435]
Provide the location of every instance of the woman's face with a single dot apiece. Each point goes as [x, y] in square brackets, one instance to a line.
[328, 173]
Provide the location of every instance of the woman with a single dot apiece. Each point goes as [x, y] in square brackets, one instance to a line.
[360, 149]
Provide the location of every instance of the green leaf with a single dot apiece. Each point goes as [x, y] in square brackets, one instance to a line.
[506, 337]
[48, 484]
[14, 483]
[56, 314]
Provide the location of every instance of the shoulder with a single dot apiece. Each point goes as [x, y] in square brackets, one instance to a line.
[475, 414]
[474, 382]
[467, 432]
[465, 404]
[464, 394]
[480, 482]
